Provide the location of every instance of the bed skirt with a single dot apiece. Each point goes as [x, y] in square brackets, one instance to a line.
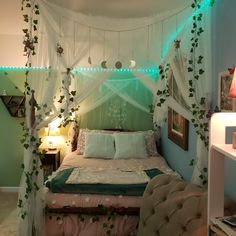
[92, 221]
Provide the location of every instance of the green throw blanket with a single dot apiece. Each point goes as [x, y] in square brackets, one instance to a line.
[58, 185]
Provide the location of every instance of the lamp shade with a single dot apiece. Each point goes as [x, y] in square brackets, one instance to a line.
[52, 134]
[53, 131]
[232, 89]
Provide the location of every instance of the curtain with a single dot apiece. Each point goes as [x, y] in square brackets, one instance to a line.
[177, 59]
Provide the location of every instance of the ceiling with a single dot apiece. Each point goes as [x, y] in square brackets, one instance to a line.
[121, 8]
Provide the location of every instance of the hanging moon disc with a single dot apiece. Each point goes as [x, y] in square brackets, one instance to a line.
[89, 60]
[103, 64]
[118, 65]
[132, 64]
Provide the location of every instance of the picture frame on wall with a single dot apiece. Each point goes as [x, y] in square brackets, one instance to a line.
[225, 103]
[178, 129]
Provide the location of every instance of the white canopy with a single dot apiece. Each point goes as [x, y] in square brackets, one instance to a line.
[88, 60]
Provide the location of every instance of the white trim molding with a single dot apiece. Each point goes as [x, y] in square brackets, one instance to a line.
[9, 189]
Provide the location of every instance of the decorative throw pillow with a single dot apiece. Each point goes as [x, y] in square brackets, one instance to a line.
[130, 145]
[81, 137]
[150, 143]
[81, 141]
[73, 135]
[99, 145]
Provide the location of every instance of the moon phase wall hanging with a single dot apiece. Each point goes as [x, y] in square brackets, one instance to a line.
[118, 64]
[89, 58]
[103, 63]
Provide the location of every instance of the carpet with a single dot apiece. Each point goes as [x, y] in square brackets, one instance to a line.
[8, 225]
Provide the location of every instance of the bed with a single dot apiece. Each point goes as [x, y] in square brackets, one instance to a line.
[98, 188]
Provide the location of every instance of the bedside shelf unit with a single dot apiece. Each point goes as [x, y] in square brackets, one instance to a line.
[15, 105]
[218, 152]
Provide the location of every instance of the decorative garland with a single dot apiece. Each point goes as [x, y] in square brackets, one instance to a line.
[29, 137]
[200, 115]
[195, 68]
[29, 140]
[94, 213]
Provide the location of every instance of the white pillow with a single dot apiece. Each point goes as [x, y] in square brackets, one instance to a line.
[99, 145]
[130, 146]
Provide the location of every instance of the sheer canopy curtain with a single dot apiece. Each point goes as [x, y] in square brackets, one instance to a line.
[55, 31]
[178, 61]
[68, 40]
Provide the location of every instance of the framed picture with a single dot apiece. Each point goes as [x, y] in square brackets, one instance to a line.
[177, 129]
[224, 101]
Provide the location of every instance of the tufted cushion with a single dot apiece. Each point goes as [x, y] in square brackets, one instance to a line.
[172, 206]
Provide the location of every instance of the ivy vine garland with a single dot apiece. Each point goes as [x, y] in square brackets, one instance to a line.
[195, 68]
[107, 226]
[30, 139]
[200, 115]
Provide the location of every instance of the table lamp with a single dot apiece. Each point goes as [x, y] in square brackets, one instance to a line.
[53, 133]
[232, 94]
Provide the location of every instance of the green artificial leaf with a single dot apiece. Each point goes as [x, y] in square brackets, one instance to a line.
[190, 69]
[73, 93]
[191, 162]
[201, 71]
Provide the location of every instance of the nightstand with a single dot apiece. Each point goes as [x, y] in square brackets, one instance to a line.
[50, 161]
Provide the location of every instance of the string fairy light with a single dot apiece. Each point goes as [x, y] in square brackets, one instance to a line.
[89, 58]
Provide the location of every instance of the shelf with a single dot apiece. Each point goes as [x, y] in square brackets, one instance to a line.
[15, 105]
[221, 228]
[225, 149]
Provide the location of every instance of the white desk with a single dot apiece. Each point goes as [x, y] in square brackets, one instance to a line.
[218, 151]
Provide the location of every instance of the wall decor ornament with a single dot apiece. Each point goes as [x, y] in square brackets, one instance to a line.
[132, 64]
[89, 57]
[59, 49]
[103, 63]
[118, 64]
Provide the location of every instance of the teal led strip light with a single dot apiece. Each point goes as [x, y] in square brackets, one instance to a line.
[20, 68]
[82, 69]
[98, 69]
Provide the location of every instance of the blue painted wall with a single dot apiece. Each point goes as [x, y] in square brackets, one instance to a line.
[176, 157]
[223, 57]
